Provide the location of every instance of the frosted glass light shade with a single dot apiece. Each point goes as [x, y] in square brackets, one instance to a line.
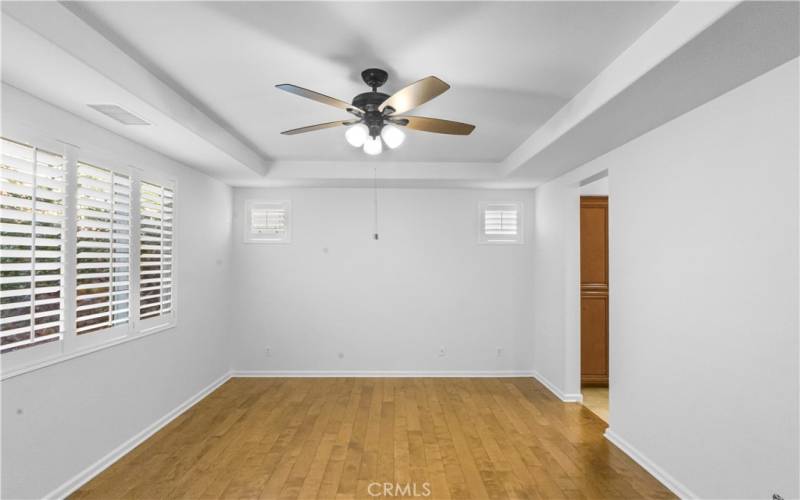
[356, 135]
[373, 146]
[393, 136]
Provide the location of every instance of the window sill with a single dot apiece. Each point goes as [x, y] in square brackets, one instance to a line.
[267, 242]
[54, 360]
[501, 242]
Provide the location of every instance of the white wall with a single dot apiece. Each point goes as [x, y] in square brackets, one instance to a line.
[556, 288]
[387, 305]
[75, 412]
[703, 292]
[598, 187]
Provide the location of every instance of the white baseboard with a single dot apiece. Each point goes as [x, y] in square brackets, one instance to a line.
[563, 396]
[657, 472]
[378, 374]
[90, 472]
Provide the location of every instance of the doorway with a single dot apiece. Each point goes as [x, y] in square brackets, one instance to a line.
[594, 298]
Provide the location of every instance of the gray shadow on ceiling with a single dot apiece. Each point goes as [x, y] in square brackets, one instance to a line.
[751, 39]
[504, 118]
[84, 14]
[512, 107]
[358, 52]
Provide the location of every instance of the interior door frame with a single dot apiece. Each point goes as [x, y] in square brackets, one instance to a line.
[572, 319]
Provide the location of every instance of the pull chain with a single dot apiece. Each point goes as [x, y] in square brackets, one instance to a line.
[375, 199]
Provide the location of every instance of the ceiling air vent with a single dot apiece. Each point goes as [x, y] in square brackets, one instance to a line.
[119, 114]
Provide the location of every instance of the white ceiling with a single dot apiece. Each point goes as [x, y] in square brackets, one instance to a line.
[510, 65]
[545, 82]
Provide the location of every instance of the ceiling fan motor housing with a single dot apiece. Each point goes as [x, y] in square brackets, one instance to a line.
[370, 101]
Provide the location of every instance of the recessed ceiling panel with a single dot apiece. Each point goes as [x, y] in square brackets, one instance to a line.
[510, 65]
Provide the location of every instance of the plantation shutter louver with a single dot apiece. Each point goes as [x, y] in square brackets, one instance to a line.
[156, 250]
[103, 202]
[267, 222]
[500, 223]
[32, 223]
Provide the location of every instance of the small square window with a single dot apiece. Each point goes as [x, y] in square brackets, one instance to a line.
[500, 223]
[268, 222]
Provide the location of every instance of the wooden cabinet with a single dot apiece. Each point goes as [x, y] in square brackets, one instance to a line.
[594, 290]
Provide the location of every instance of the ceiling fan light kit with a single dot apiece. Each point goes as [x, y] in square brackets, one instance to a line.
[357, 135]
[392, 136]
[379, 116]
[373, 146]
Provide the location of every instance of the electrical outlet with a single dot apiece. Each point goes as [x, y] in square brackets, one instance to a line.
[499, 351]
[442, 351]
[268, 352]
[341, 355]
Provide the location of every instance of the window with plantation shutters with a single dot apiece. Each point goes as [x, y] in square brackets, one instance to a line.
[32, 224]
[501, 223]
[86, 252]
[156, 229]
[103, 229]
[267, 222]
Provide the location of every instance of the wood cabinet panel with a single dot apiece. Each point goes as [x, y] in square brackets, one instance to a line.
[594, 339]
[594, 240]
[594, 290]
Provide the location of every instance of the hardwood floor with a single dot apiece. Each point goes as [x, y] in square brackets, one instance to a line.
[596, 400]
[332, 438]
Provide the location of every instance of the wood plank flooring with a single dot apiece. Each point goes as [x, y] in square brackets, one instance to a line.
[332, 438]
[596, 400]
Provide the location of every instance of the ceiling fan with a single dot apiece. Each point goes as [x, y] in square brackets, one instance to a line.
[379, 116]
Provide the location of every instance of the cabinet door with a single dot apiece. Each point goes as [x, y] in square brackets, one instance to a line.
[594, 290]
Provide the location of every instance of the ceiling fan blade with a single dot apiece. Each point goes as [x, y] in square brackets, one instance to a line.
[319, 126]
[316, 96]
[435, 125]
[416, 94]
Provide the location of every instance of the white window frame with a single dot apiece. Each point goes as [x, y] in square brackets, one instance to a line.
[164, 321]
[249, 237]
[32, 355]
[485, 239]
[71, 345]
[98, 337]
